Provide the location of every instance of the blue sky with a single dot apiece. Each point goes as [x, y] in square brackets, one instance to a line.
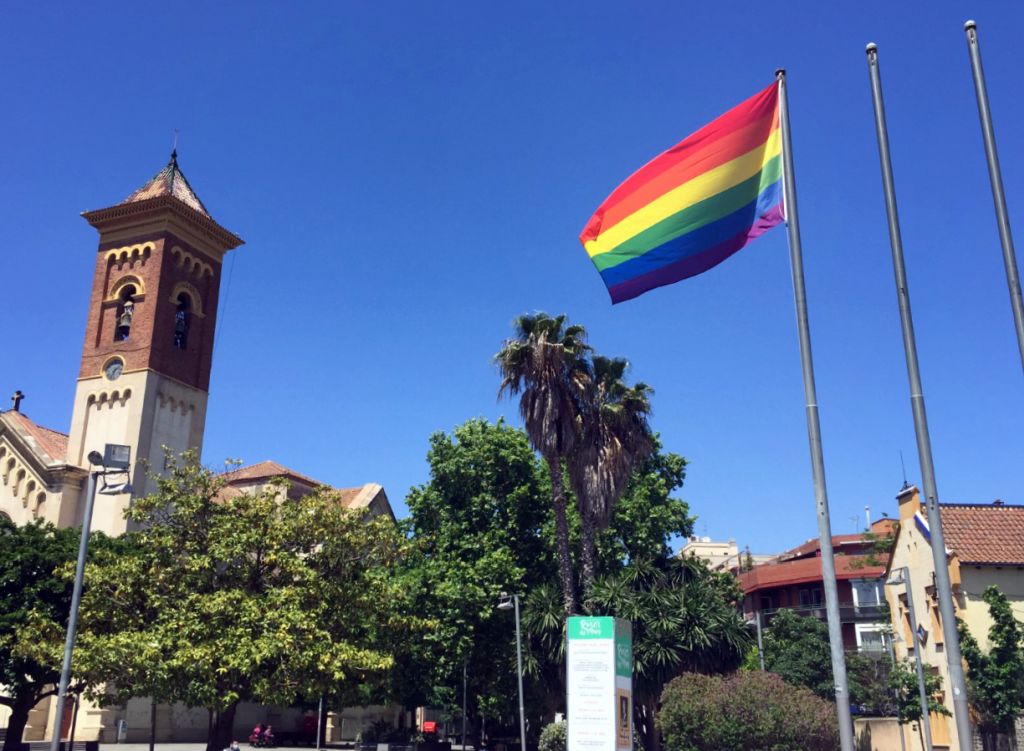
[409, 177]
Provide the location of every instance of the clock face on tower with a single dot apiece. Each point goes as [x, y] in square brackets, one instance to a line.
[112, 370]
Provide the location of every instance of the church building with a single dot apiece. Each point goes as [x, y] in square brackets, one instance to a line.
[143, 382]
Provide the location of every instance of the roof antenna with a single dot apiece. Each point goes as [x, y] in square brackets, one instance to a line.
[904, 467]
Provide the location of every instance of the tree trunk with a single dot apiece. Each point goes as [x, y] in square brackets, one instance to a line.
[562, 537]
[588, 562]
[643, 714]
[223, 727]
[16, 725]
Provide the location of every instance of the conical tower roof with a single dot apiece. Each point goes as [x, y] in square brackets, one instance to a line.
[166, 195]
[169, 181]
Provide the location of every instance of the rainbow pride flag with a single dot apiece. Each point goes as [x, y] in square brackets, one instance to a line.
[694, 205]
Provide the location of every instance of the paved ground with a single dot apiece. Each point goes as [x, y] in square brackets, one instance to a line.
[202, 747]
[188, 747]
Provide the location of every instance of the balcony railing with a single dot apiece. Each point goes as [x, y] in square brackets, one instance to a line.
[848, 612]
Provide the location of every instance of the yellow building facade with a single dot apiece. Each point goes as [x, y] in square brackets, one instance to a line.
[985, 546]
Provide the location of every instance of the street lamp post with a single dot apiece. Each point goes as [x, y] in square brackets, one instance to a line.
[903, 577]
[114, 461]
[755, 623]
[508, 602]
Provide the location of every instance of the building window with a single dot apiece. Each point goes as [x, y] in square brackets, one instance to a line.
[766, 603]
[867, 593]
[125, 313]
[908, 635]
[936, 619]
[810, 598]
[181, 321]
[870, 638]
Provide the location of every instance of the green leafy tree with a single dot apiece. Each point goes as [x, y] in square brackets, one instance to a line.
[796, 648]
[615, 436]
[35, 595]
[545, 364]
[477, 529]
[230, 597]
[995, 679]
[903, 681]
[553, 737]
[484, 523]
[745, 710]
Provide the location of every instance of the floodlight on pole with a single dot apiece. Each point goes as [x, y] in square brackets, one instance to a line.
[120, 461]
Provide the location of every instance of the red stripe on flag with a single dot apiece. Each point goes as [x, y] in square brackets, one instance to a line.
[735, 133]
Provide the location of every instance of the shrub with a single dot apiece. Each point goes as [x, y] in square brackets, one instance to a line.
[745, 710]
[552, 737]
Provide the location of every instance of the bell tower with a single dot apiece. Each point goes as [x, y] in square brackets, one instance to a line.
[145, 370]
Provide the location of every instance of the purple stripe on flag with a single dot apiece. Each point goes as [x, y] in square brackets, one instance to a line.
[697, 264]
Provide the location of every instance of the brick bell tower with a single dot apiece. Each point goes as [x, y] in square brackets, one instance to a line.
[145, 371]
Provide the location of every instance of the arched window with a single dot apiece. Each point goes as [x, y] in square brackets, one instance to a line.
[125, 313]
[181, 321]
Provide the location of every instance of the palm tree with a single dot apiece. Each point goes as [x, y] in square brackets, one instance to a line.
[545, 362]
[685, 617]
[615, 437]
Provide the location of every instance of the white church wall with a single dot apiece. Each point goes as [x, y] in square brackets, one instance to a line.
[172, 427]
[107, 419]
[23, 494]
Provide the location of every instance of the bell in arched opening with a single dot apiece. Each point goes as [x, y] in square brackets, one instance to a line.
[125, 314]
[181, 321]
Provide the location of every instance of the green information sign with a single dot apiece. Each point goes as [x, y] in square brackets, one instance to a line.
[599, 684]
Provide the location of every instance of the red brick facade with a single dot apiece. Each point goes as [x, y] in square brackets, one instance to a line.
[159, 263]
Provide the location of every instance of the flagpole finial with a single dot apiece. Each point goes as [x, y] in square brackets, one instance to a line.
[780, 72]
[970, 24]
[872, 48]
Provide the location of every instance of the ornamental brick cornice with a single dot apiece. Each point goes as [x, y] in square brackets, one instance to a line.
[218, 235]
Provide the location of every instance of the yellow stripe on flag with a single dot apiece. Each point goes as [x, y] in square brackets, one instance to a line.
[693, 191]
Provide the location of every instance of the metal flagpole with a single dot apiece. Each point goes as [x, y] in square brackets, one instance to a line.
[996, 178]
[943, 590]
[828, 564]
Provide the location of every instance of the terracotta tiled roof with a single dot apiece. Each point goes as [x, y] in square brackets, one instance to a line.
[813, 546]
[348, 495]
[268, 470]
[881, 528]
[52, 443]
[984, 534]
[805, 570]
[170, 181]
